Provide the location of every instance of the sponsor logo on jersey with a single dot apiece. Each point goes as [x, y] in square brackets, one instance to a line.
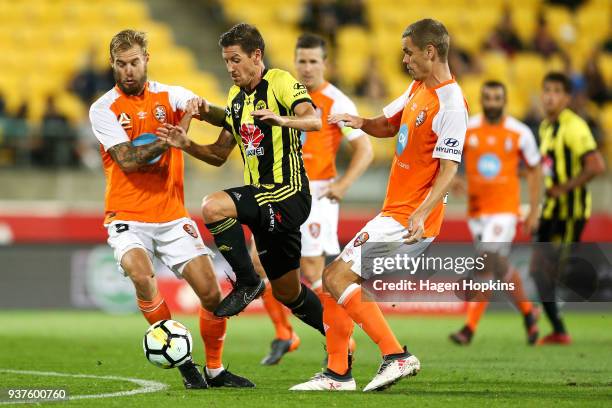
[125, 120]
[508, 144]
[361, 239]
[449, 146]
[251, 137]
[159, 112]
[190, 230]
[421, 118]
[402, 139]
[142, 115]
[450, 142]
[237, 195]
[302, 92]
[298, 86]
[314, 229]
[489, 165]
[261, 104]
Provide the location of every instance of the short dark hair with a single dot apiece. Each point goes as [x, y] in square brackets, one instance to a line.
[429, 31]
[559, 77]
[246, 36]
[309, 40]
[495, 84]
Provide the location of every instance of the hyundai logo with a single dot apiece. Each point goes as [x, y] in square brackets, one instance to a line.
[451, 142]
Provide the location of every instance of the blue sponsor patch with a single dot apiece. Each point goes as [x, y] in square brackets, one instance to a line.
[402, 139]
[489, 165]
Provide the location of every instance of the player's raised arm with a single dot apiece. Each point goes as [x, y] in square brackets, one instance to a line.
[379, 126]
[215, 154]
[305, 118]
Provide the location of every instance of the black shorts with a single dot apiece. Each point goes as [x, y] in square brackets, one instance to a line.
[275, 223]
[560, 231]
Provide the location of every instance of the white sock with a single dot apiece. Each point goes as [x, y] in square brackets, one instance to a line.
[213, 372]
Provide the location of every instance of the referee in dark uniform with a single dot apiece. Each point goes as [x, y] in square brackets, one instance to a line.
[569, 161]
[266, 111]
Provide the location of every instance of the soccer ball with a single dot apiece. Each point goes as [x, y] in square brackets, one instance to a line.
[167, 344]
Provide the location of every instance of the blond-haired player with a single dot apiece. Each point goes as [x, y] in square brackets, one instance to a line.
[145, 215]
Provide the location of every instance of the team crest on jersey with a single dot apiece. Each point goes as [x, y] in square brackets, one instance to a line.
[314, 229]
[251, 138]
[190, 230]
[421, 118]
[125, 120]
[159, 112]
[473, 140]
[361, 239]
[261, 104]
[508, 144]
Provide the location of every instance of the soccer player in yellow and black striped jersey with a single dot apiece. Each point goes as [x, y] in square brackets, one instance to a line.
[569, 161]
[265, 113]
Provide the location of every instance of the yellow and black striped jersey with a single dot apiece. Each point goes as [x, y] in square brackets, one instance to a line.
[563, 144]
[271, 154]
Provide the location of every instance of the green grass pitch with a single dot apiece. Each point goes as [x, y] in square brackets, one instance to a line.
[498, 369]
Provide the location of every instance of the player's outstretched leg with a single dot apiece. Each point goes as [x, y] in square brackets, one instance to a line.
[530, 313]
[138, 267]
[220, 216]
[338, 331]
[201, 277]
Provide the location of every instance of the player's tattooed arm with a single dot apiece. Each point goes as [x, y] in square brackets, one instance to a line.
[131, 158]
[215, 154]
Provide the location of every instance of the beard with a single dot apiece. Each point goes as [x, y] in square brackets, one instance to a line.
[493, 114]
[133, 89]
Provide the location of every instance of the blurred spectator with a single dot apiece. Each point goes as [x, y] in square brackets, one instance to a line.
[372, 86]
[17, 137]
[595, 83]
[351, 12]
[504, 38]
[543, 41]
[570, 4]
[534, 116]
[58, 140]
[89, 81]
[461, 62]
[319, 16]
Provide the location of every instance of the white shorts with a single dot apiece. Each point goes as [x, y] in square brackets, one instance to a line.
[494, 232]
[320, 230]
[381, 229]
[174, 243]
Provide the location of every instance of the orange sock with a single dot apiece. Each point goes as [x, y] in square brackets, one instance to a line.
[212, 330]
[338, 329]
[154, 310]
[278, 313]
[368, 316]
[474, 312]
[518, 294]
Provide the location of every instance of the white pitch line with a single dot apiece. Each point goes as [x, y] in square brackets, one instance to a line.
[146, 386]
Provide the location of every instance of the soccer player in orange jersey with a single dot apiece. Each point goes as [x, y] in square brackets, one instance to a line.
[430, 121]
[495, 144]
[145, 213]
[320, 230]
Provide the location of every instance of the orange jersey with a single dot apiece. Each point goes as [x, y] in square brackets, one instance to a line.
[432, 125]
[154, 193]
[492, 157]
[319, 148]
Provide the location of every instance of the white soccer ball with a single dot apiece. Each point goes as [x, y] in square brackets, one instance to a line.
[167, 344]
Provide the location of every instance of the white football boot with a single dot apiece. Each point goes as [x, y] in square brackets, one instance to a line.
[323, 382]
[393, 369]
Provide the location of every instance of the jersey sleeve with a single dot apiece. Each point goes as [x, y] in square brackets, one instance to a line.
[290, 90]
[529, 147]
[179, 96]
[106, 127]
[450, 126]
[393, 111]
[580, 139]
[345, 105]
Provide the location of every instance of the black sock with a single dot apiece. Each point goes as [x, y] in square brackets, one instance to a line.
[307, 307]
[552, 312]
[229, 238]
